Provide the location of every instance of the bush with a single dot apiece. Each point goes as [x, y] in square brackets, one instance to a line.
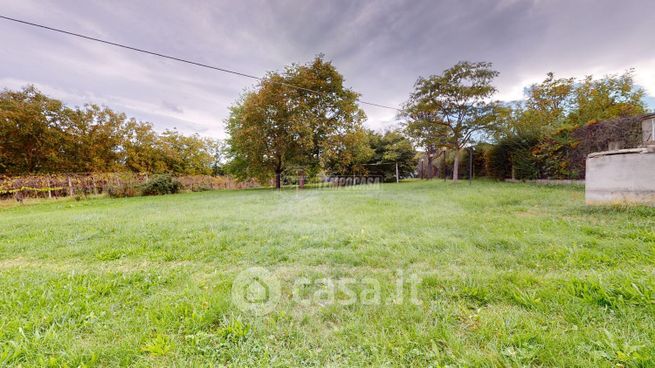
[497, 161]
[513, 157]
[524, 164]
[161, 184]
[559, 157]
[122, 190]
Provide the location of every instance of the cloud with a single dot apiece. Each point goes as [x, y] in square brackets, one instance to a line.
[172, 107]
[380, 47]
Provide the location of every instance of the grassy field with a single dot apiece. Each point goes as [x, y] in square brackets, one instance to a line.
[508, 275]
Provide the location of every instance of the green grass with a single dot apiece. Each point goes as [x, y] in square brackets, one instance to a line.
[510, 275]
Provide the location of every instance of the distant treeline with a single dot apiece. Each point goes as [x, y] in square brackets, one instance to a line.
[39, 134]
[276, 131]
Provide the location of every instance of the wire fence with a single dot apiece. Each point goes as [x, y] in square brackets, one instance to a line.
[83, 184]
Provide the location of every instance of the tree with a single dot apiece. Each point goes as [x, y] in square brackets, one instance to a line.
[613, 96]
[182, 154]
[391, 149]
[454, 105]
[218, 149]
[94, 138]
[142, 149]
[347, 153]
[551, 133]
[265, 137]
[39, 134]
[547, 105]
[277, 126]
[30, 136]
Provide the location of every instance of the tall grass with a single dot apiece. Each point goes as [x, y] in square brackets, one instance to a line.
[511, 275]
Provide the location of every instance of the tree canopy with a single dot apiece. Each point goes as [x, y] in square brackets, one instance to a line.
[558, 103]
[303, 120]
[450, 108]
[279, 126]
[551, 132]
[390, 148]
[39, 134]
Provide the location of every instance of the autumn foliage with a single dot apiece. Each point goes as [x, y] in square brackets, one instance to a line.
[39, 134]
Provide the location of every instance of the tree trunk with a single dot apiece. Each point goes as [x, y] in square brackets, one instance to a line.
[470, 165]
[278, 179]
[397, 174]
[456, 166]
[430, 166]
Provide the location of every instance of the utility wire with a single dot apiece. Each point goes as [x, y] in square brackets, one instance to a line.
[175, 58]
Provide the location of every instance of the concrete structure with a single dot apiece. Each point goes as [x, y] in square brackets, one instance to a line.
[617, 177]
[624, 176]
[648, 126]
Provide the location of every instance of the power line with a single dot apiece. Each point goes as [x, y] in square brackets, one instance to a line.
[175, 58]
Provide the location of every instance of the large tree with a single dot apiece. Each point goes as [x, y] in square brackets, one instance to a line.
[31, 138]
[94, 140]
[189, 155]
[301, 117]
[392, 150]
[141, 147]
[612, 96]
[454, 105]
[426, 134]
[558, 103]
[547, 103]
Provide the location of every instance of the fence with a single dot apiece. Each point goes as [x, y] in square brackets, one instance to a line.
[64, 185]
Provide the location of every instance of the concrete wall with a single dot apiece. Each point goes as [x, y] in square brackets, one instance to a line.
[615, 177]
[647, 126]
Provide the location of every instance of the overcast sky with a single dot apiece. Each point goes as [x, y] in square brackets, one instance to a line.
[381, 47]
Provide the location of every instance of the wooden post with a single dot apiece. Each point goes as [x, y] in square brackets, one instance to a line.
[95, 187]
[70, 186]
[49, 190]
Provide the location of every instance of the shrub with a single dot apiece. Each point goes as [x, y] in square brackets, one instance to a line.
[559, 157]
[479, 159]
[123, 190]
[525, 164]
[497, 161]
[513, 157]
[161, 184]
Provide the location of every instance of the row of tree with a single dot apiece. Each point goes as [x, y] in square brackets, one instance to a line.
[276, 129]
[39, 134]
[561, 121]
[547, 135]
[304, 121]
[305, 118]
